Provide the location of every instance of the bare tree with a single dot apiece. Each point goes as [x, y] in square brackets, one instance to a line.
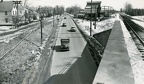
[128, 8]
[73, 9]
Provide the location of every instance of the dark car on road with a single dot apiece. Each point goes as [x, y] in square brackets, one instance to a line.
[73, 29]
[64, 25]
[65, 44]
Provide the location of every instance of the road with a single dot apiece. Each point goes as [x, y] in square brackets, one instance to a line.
[75, 66]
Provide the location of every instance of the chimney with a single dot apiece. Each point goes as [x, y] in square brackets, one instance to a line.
[1, 0]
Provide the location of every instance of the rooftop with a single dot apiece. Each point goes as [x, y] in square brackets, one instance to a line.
[6, 6]
[94, 2]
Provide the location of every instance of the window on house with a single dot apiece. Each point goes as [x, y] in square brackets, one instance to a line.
[6, 20]
[5, 12]
[13, 12]
[20, 11]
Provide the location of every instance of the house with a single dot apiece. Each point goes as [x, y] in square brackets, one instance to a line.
[92, 9]
[5, 12]
[8, 12]
[81, 14]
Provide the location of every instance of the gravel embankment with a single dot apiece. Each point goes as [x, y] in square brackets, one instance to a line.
[17, 64]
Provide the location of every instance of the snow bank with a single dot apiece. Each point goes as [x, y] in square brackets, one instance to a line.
[100, 26]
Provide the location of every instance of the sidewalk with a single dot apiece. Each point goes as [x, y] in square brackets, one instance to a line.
[115, 66]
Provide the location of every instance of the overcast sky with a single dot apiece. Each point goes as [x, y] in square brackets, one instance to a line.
[117, 4]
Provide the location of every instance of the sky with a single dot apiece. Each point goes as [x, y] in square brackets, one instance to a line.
[116, 4]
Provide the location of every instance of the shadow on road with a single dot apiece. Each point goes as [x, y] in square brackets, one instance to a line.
[81, 72]
[71, 31]
[57, 48]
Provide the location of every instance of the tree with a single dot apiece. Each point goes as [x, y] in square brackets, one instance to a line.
[73, 9]
[128, 8]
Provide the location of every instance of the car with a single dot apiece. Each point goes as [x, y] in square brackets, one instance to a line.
[73, 29]
[64, 17]
[65, 44]
[64, 25]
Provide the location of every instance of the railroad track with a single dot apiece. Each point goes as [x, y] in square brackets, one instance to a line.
[16, 45]
[24, 38]
[137, 33]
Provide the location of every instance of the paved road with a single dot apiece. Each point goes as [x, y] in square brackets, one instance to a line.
[75, 66]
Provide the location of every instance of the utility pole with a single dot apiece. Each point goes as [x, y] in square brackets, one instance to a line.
[53, 16]
[95, 16]
[17, 3]
[108, 11]
[41, 25]
[57, 11]
[91, 20]
[41, 29]
[104, 11]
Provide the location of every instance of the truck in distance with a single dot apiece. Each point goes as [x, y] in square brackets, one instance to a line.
[65, 44]
[64, 25]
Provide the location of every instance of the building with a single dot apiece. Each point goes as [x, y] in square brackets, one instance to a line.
[81, 14]
[8, 11]
[107, 11]
[5, 12]
[95, 6]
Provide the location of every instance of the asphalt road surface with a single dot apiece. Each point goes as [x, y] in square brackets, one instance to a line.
[75, 66]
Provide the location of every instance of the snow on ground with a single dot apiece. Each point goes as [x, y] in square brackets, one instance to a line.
[138, 17]
[139, 22]
[100, 26]
[4, 28]
[10, 37]
[135, 57]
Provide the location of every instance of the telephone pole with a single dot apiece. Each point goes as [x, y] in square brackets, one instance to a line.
[17, 3]
[41, 24]
[53, 16]
[95, 16]
[91, 20]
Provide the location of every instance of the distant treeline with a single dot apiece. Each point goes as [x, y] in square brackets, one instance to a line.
[128, 9]
[135, 12]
